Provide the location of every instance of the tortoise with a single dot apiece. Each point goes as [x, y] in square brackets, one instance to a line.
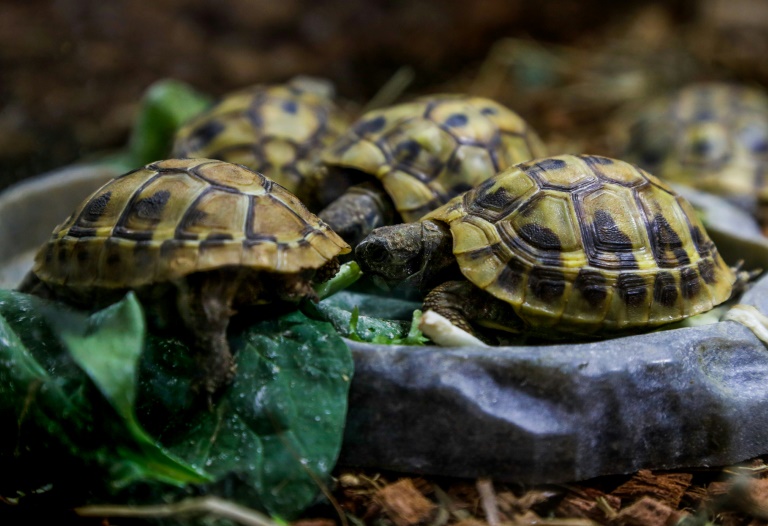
[572, 245]
[278, 130]
[711, 136]
[197, 240]
[400, 162]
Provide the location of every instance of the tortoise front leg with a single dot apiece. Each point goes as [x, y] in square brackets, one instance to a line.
[463, 304]
[205, 306]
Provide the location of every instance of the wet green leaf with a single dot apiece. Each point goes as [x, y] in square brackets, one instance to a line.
[91, 392]
[50, 394]
[278, 428]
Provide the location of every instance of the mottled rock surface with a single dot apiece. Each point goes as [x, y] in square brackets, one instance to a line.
[677, 398]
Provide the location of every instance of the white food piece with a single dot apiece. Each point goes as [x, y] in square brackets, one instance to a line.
[444, 333]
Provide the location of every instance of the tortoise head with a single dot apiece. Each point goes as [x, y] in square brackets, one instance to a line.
[411, 252]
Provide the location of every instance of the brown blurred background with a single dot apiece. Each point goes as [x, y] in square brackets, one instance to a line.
[73, 71]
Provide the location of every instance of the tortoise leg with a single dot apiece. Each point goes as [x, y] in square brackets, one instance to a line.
[461, 303]
[358, 211]
[452, 301]
[205, 306]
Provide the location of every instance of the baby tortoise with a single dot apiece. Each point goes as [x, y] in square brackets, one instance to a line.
[710, 136]
[197, 240]
[398, 163]
[569, 245]
[277, 130]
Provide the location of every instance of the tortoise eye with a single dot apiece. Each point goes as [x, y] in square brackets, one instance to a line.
[376, 253]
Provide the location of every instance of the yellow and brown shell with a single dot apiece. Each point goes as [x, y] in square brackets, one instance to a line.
[277, 130]
[586, 244]
[427, 151]
[175, 217]
[711, 136]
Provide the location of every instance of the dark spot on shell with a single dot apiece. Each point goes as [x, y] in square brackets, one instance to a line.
[591, 285]
[546, 284]
[609, 235]
[151, 208]
[49, 253]
[113, 259]
[596, 159]
[456, 120]
[540, 237]
[510, 277]
[82, 254]
[202, 136]
[665, 289]
[96, 208]
[290, 106]
[492, 201]
[371, 126]
[489, 111]
[689, 282]
[407, 151]
[701, 242]
[546, 165]
[707, 271]
[632, 289]
[665, 240]
[61, 255]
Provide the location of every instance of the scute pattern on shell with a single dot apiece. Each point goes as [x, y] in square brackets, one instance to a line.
[427, 151]
[276, 130]
[586, 244]
[711, 136]
[175, 217]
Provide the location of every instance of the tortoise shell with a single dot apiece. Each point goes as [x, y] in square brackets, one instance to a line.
[586, 244]
[176, 217]
[276, 130]
[711, 136]
[427, 151]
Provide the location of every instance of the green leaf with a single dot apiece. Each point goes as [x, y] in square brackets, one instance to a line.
[348, 274]
[51, 394]
[277, 430]
[68, 387]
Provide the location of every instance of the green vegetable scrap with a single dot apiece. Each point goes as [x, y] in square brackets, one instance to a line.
[94, 393]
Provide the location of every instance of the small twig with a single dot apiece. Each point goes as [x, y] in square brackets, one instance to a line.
[197, 506]
[606, 508]
[488, 501]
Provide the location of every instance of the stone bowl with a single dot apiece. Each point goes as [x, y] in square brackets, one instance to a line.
[686, 397]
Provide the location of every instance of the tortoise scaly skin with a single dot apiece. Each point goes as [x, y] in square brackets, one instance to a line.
[197, 240]
[398, 163]
[710, 136]
[277, 130]
[563, 246]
